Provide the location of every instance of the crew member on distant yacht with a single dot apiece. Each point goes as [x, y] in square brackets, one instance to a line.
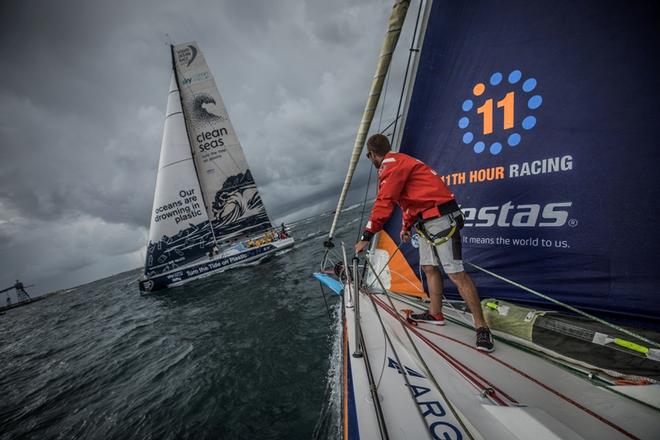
[21, 288]
[213, 252]
[430, 207]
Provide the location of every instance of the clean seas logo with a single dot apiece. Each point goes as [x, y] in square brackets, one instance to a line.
[499, 113]
[205, 111]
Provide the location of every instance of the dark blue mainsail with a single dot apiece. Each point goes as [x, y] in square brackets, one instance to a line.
[542, 117]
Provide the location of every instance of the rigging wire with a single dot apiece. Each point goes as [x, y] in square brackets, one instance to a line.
[371, 168]
[569, 307]
[402, 368]
[327, 308]
[382, 104]
[364, 204]
[395, 24]
[393, 123]
[398, 110]
[382, 426]
[421, 359]
[405, 76]
[353, 282]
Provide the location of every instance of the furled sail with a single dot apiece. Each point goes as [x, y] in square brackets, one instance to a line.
[179, 232]
[230, 194]
[544, 129]
[395, 23]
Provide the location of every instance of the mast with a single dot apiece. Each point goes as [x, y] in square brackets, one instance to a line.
[185, 122]
[409, 81]
[396, 20]
[409, 77]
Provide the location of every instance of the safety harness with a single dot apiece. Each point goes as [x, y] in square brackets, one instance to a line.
[456, 222]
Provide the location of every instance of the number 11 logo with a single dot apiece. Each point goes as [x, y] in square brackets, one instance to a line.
[495, 120]
[486, 110]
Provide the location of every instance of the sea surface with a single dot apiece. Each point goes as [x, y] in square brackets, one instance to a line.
[246, 354]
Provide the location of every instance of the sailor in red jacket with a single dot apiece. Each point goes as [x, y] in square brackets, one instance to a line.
[429, 206]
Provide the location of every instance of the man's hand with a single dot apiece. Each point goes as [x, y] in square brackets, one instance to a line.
[405, 236]
[360, 246]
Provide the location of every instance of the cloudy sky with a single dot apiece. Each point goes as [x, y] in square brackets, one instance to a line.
[82, 102]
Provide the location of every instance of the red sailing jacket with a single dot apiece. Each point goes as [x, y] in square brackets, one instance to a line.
[411, 184]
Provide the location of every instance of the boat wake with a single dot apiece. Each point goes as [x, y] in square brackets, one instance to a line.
[328, 424]
[282, 252]
[313, 235]
[350, 208]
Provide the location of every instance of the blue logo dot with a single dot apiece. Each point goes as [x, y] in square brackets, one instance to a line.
[463, 122]
[529, 122]
[479, 147]
[515, 76]
[495, 148]
[495, 78]
[513, 140]
[535, 102]
[529, 85]
[467, 105]
[467, 137]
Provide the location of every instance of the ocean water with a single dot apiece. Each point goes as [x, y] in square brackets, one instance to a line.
[246, 354]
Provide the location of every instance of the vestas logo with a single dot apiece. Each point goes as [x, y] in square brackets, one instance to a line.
[508, 215]
[500, 114]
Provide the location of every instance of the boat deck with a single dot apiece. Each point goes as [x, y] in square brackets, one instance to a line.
[510, 393]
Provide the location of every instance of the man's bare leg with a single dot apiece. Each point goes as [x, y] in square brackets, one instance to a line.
[468, 292]
[434, 281]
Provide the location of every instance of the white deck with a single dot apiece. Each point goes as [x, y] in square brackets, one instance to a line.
[530, 398]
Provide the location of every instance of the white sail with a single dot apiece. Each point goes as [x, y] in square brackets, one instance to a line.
[179, 230]
[230, 193]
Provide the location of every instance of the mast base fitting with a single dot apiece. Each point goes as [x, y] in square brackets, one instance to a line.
[328, 244]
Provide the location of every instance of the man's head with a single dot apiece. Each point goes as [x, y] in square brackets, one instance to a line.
[377, 147]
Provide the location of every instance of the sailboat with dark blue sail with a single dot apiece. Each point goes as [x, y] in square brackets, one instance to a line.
[207, 213]
[542, 119]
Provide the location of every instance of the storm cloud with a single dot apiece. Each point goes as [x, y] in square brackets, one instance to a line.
[82, 103]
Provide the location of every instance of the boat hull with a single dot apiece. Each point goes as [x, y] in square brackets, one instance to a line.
[206, 268]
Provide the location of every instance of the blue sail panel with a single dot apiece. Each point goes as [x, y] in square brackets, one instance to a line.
[542, 119]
